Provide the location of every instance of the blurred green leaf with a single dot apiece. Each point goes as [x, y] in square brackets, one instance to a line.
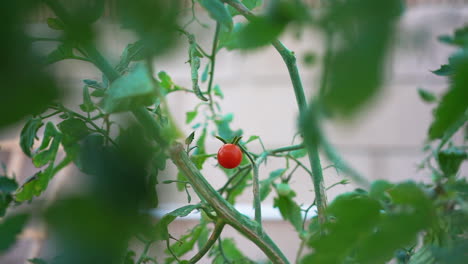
[153, 20]
[28, 134]
[130, 91]
[453, 104]
[444, 70]
[218, 12]
[181, 179]
[88, 104]
[357, 68]
[7, 185]
[459, 38]
[427, 96]
[55, 23]
[379, 188]
[189, 116]
[190, 138]
[450, 160]
[165, 81]
[355, 219]
[218, 92]
[260, 31]
[73, 130]
[46, 156]
[223, 125]
[204, 75]
[10, 228]
[133, 52]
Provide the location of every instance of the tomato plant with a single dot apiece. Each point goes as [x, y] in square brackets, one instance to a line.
[122, 161]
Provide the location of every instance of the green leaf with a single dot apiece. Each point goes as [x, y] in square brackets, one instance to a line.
[130, 91]
[35, 185]
[427, 96]
[73, 130]
[50, 132]
[453, 104]
[165, 81]
[218, 92]
[190, 138]
[261, 31]
[231, 252]
[204, 75]
[355, 217]
[450, 160]
[88, 104]
[28, 134]
[444, 70]
[55, 23]
[218, 11]
[10, 228]
[224, 127]
[289, 210]
[133, 52]
[265, 189]
[252, 138]
[98, 93]
[62, 52]
[185, 243]
[379, 188]
[7, 185]
[161, 232]
[367, 30]
[46, 156]
[459, 38]
[189, 116]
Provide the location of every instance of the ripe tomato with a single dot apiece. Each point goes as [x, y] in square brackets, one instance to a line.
[229, 156]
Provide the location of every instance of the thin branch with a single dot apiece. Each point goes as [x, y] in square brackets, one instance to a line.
[214, 236]
[145, 252]
[255, 187]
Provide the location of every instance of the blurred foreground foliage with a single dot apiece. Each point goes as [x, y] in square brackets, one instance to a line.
[120, 162]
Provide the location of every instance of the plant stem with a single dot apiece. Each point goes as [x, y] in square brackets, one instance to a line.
[255, 188]
[145, 251]
[213, 57]
[219, 225]
[180, 158]
[245, 226]
[286, 149]
[290, 60]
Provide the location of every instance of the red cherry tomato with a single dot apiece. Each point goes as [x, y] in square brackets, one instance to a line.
[229, 156]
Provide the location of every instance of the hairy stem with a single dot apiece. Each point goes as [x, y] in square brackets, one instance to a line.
[255, 188]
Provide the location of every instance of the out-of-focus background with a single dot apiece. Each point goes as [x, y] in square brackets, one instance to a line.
[383, 142]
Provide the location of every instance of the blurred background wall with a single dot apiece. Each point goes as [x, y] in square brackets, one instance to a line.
[384, 142]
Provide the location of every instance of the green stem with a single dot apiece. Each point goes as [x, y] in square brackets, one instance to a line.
[255, 188]
[145, 252]
[213, 58]
[286, 149]
[290, 60]
[214, 236]
[241, 223]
